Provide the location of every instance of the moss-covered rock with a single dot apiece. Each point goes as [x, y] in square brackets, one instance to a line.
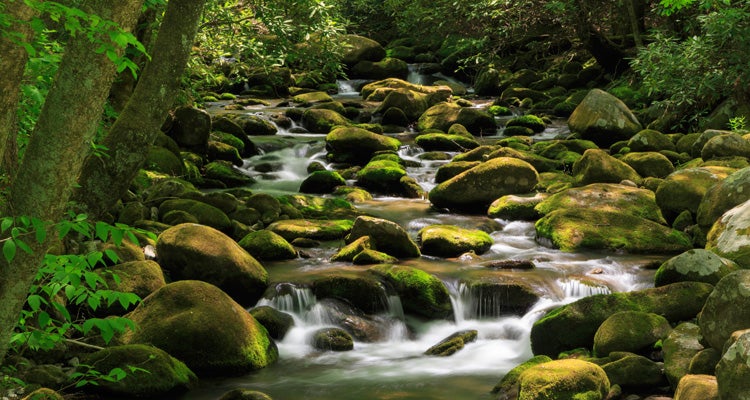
[371, 257]
[277, 323]
[574, 325]
[222, 151]
[332, 339]
[317, 120]
[452, 241]
[723, 196]
[729, 236]
[224, 172]
[162, 160]
[382, 176]
[705, 361]
[322, 182]
[411, 102]
[563, 380]
[684, 188]
[733, 371]
[266, 245]
[477, 187]
[596, 166]
[205, 214]
[379, 90]
[191, 128]
[508, 385]
[453, 168]
[630, 331]
[203, 327]
[540, 163]
[244, 394]
[697, 265]
[679, 348]
[348, 252]
[357, 145]
[139, 277]
[315, 207]
[311, 229]
[650, 140]
[360, 48]
[385, 68]
[727, 309]
[157, 373]
[603, 119]
[254, 125]
[649, 164]
[44, 394]
[725, 145]
[452, 343]
[441, 116]
[697, 387]
[516, 207]
[386, 236]
[532, 122]
[359, 289]
[421, 293]
[517, 130]
[634, 371]
[191, 251]
[445, 142]
[312, 98]
[268, 206]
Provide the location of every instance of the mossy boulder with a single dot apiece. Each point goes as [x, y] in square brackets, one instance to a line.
[222, 151]
[530, 121]
[318, 120]
[453, 168]
[563, 380]
[697, 387]
[682, 344]
[200, 325]
[726, 145]
[441, 116]
[574, 325]
[421, 293]
[684, 188]
[382, 176]
[603, 119]
[190, 128]
[413, 103]
[291, 229]
[332, 339]
[276, 322]
[379, 90]
[224, 172]
[596, 166]
[508, 385]
[312, 98]
[733, 371]
[386, 236]
[630, 331]
[348, 252]
[697, 265]
[162, 160]
[386, 68]
[204, 213]
[577, 229]
[139, 277]
[266, 245]
[322, 182]
[357, 145]
[729, 237]
[705, 361]
[723, 196]
[605, 197]
[452, 241]
[371, 257]
[254, 125]
[359, 289]
[360, 48]
[452, 343]
[540, 163]
[634, 371]
[157, 374]
[649, 164]
[478, 187]
[727, 309]
[516, 207]
[650, 140]
[44, 394]
[517, 130]
[244, 394]
[316, 207]
[445, 142]
[192, 251]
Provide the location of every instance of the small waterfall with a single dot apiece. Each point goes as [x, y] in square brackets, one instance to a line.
[575, 289]
[290, 299]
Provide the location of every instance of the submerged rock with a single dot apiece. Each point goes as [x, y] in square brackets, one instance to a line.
[452, 343]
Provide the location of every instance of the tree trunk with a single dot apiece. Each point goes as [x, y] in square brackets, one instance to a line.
[105, 180]
[635, 25]
[57, 148]
[13, 58]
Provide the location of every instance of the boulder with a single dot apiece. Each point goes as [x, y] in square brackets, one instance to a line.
[603, 119]
[705, 361]
[192, 251]
[356, 145]
[222, 151]
[332, 339]
[649, 164]
[310, 98]
[349, 251]
[244, 394]
[157, 373]
[362, 327]
[723, 196]
[476, 188]
[138, 277]
[564, 379]
[204, 213]
[729, 236]
[266, 245]
[191, 128]
[319, 120]
[684, 188]
[379, 90]
[630, 331]
[596, 166]
[254, 125]
[452, 241]
[385, 68]
[574, 325]
[359, 289]
[360, 48]
[203, 327]
[421, 293]
[162, 160]
[697, 265]
[453, 168]
[649, 140]
[727, 309]
[44, 394]
[697, 387]
[224, 172]
[382, 176]
[508, 386]
[516, 207]
[733, 371]
[277, 323]
[371, 257]
[268, 206]
[682, 344]
[322, 182]
[726, 145]
[632, 371]
[441, 116]
[532, 122]
[385, 235]
[452, 343]
[413, 103]
[541, 164]
[445, 142]
[291, 229]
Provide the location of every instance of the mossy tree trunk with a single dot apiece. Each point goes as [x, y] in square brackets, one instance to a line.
[56, 150]
[105, 180]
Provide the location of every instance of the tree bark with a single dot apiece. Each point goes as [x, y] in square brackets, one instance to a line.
[57, 148]
[105, 180]
[13, 58]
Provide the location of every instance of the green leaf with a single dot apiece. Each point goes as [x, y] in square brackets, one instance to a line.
[93, 302]
[9, 250]
[112, 255]
[44, 319]
[117, 235]
[35, 302]
[102, 231]
[23, 246]
[6, 223]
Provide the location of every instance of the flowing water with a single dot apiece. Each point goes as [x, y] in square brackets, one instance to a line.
[395, 367]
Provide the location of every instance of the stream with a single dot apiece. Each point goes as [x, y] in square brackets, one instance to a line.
[395, 368]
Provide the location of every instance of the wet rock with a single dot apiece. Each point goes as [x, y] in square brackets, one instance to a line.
[567, 379]
[362, 327]
[291, 229]
[649, 164]
[332, 339]
[445, 142]
[386, 236]
[254, 125]
[684, 189]
[370, 257]
[382, 176]
[277, 323]
[203, 327]
[723, 196]
[191, 251]
[495, 294]
[356, 145]
[630, 331]
[348, 252]
[603, 119]
[477, 187]
[507, 388]
[727, 309]
[509, 264]
[733, 371]
[224, 172]
[421, 293]
[682, 344]
[266, 245]
[441, 116]
[596, 166]
[318, 120]
[379, 90]
[631, 370]
[322, 182]
[411, 102]
[452, 241]
[541, 164]
[529, 121]
[453, 168]
[452, 343]
[574, 325]
[158, 373]
[361, 290]
[244, 394]
[516, 207]
[696, 265]
[697, 387]
[315, 207]
[222, 151]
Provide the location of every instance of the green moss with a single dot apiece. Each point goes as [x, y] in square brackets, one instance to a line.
[228, 138]
[517, 131]
[452, 343]
[224, 172]
[562, 380]
[204, 213]
[445, 142]
[452, 241]
[348, 252]
[312, 229]
[322, 120]
[516, 207]
[499, 110]
[511, 378]
[532, 122]
[314, 207]
[381, 176]
[422, 294]
[370, 257]
[266, 245]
